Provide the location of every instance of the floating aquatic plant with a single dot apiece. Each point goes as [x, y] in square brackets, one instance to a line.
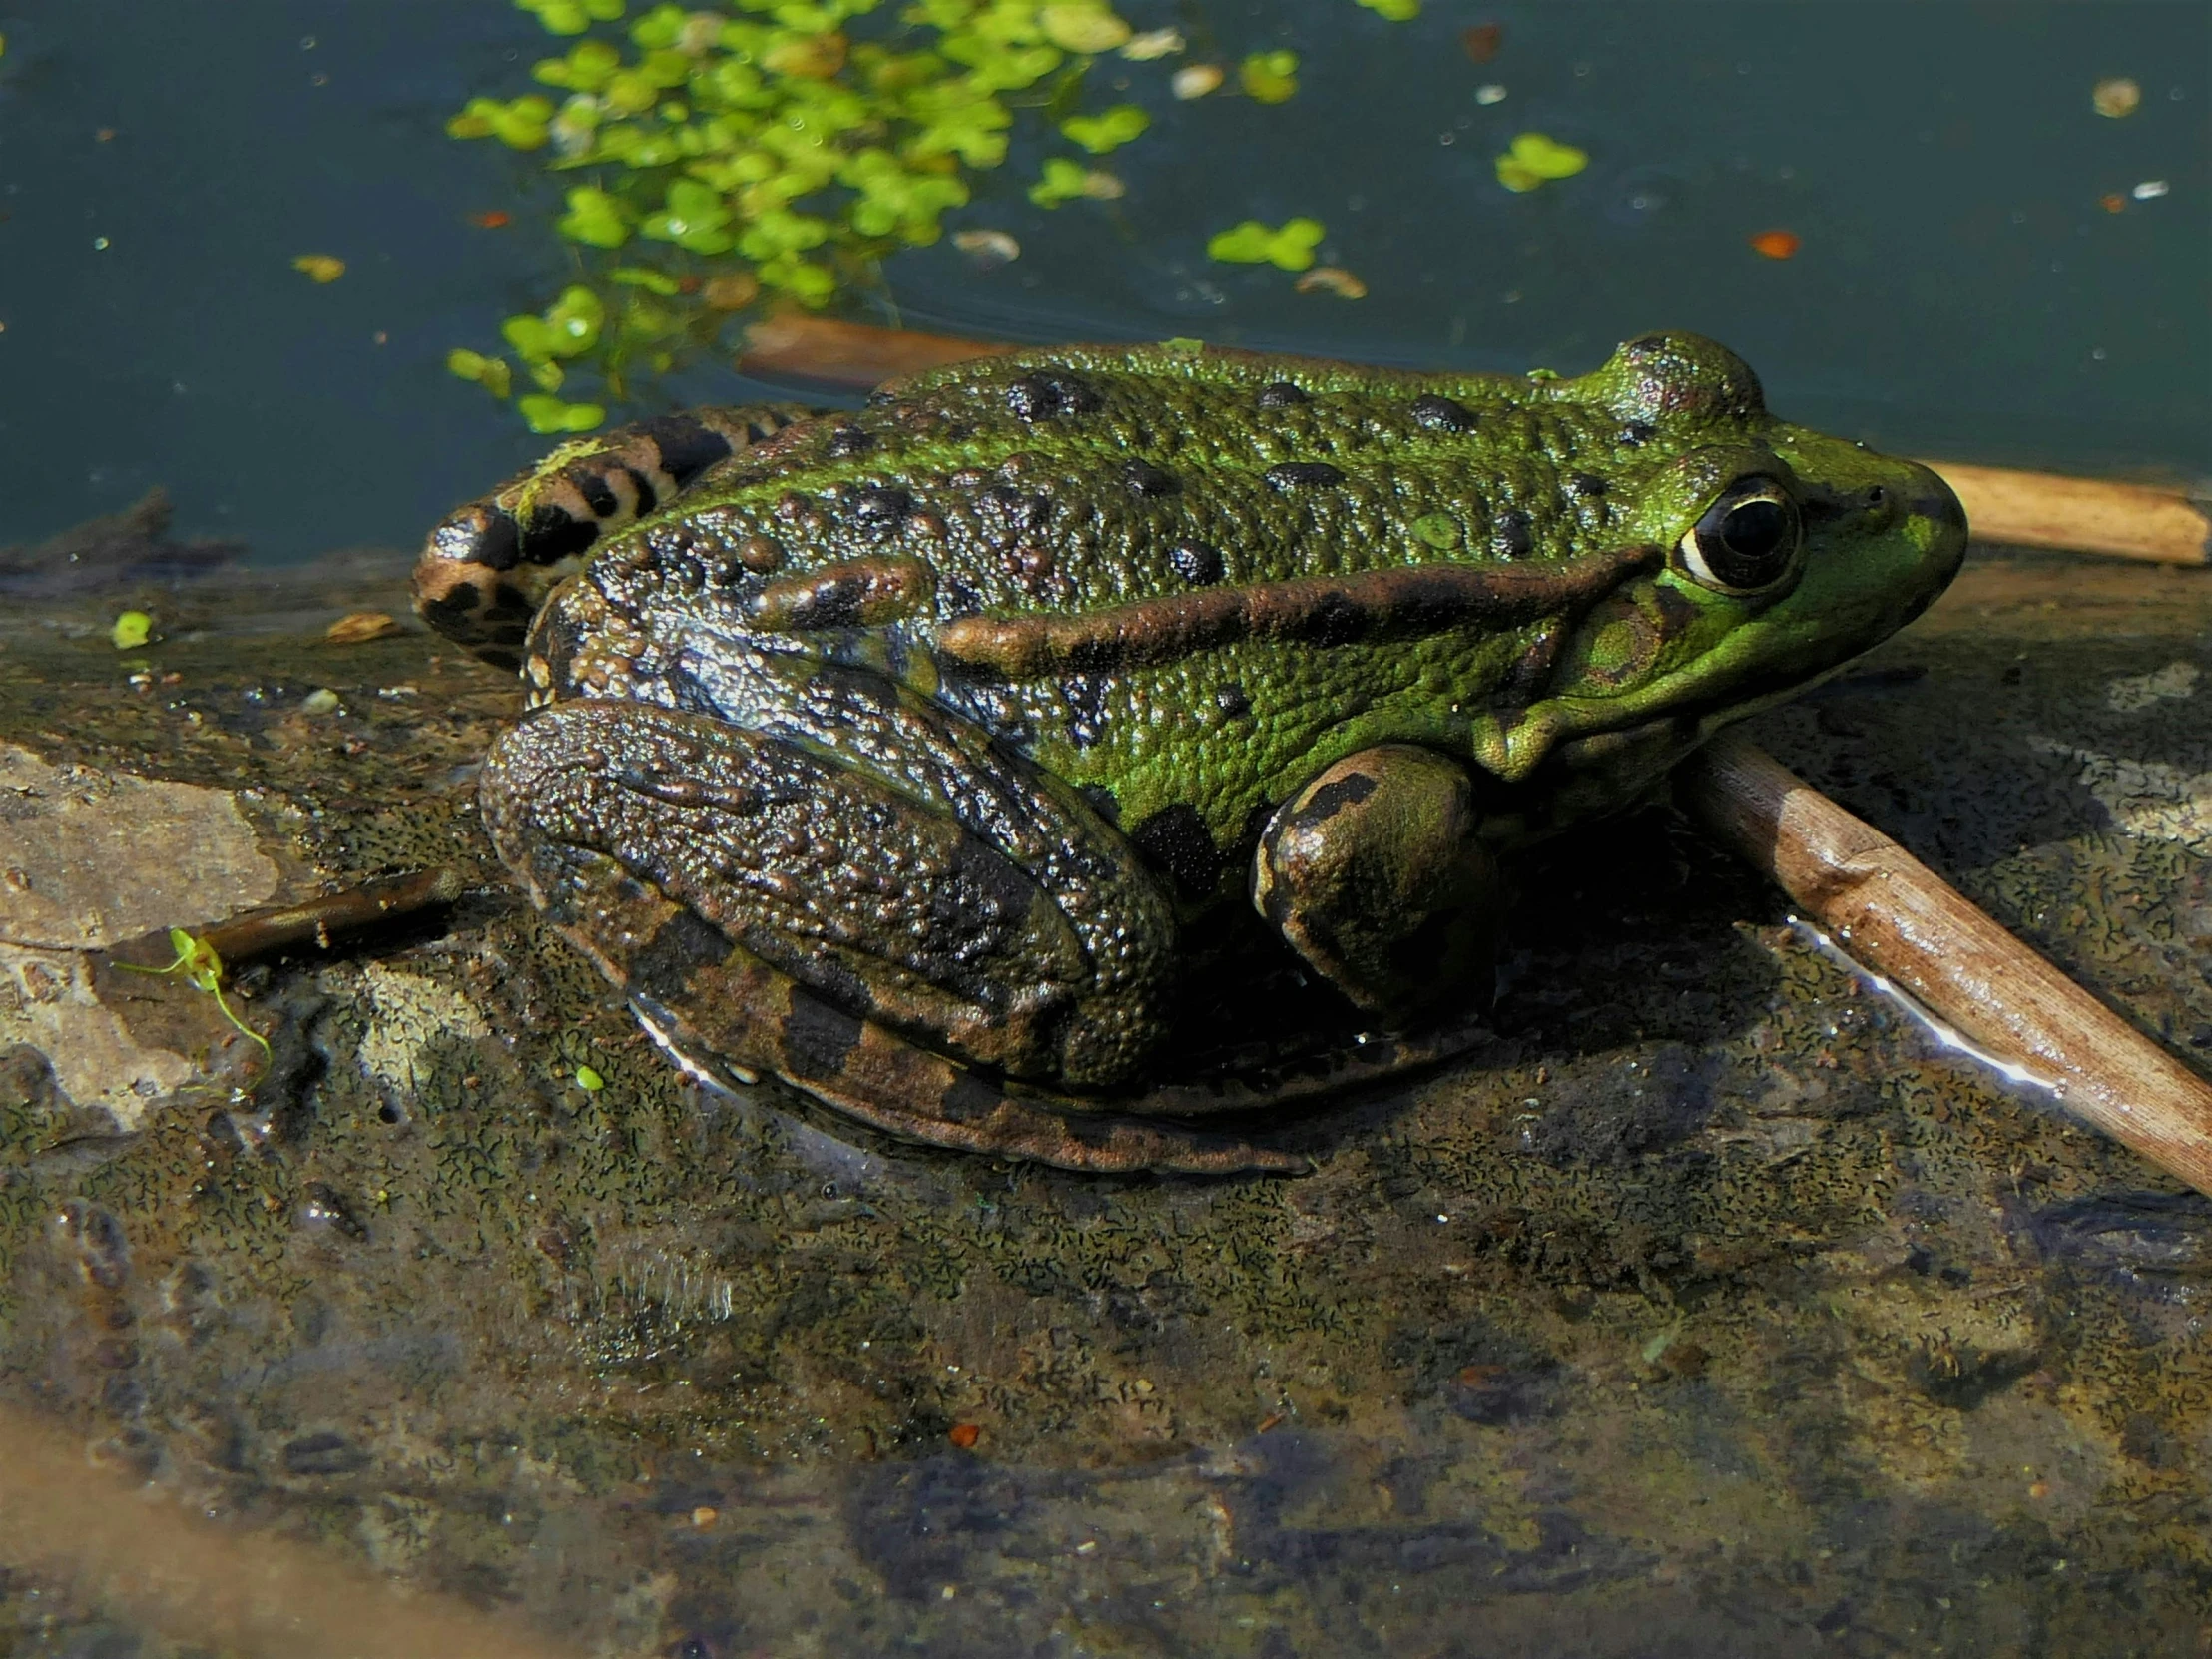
[774, 153]
[1291, 246]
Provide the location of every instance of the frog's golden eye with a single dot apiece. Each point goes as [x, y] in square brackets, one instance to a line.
[1747, 541]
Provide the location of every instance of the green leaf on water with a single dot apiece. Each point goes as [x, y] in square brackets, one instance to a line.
[547, 413]
[1108, 130]
[492, 374]
[131, 630]
[1269, 77]
[1536, 158]
[594, 217]
[1290, 246]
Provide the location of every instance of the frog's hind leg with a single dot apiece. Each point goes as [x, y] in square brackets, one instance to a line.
[487, 566]
[869, 1072]
[842, 895]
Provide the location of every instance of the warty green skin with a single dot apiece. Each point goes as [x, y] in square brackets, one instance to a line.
[885, 628]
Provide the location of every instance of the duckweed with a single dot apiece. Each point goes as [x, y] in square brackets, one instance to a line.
[1291, 246]
[766, 153]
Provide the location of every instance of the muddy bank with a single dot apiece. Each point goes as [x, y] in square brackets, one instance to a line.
[1711, 1312]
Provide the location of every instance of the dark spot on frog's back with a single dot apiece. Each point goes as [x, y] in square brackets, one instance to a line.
[1294, 476]
[1281, 395]
[850, 440]
[1149, 480]
[1584, 486]
[1443, 414]
[880, 506]
[1047, 396]
[1510, 535]
[1177, 840]
[1196, 563]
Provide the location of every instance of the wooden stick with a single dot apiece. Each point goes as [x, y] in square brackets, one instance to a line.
[1893, 914]
[2018, 509]
[855, 354]
[2085, 515]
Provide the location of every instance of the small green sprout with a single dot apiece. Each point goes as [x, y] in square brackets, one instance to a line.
[131, 630]
[1535, 157]
[202, 970]
[1108, 131]
[1269, 77]
[1251, 242]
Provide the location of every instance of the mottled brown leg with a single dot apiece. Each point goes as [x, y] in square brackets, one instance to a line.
[489, 564]
[1374, 874]
[731, 1016]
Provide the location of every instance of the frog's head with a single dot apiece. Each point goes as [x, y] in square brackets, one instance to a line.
[1786, 553]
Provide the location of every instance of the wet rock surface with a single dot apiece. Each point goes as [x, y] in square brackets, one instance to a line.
[1712, 1312]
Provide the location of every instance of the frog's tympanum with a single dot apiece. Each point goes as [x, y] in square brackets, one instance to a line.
[910, 754]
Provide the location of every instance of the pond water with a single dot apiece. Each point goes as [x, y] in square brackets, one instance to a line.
[1960, 287]
[1708, 1310]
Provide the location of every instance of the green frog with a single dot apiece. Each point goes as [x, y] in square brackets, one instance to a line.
[910, 754]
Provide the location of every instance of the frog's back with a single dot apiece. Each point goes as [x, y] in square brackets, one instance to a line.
[1078, 479]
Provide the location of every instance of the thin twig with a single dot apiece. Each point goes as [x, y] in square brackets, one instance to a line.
[323, 922]
[1893, 914]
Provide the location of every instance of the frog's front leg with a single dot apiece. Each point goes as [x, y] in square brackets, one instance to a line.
[860, 894]
[1374, 874]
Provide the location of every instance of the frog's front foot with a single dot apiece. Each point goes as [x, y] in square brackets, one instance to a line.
[865, 899]
[1373, 872]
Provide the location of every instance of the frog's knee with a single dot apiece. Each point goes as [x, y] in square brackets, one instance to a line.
[1374, 874]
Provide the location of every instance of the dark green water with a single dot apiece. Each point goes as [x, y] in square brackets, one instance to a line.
[1959, 289]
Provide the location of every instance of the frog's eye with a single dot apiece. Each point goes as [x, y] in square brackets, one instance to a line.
[1747, 540]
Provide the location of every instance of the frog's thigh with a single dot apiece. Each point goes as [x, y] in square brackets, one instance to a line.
[1372, 873]
[842, 870]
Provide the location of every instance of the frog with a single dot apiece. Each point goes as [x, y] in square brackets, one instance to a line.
[913, 753]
